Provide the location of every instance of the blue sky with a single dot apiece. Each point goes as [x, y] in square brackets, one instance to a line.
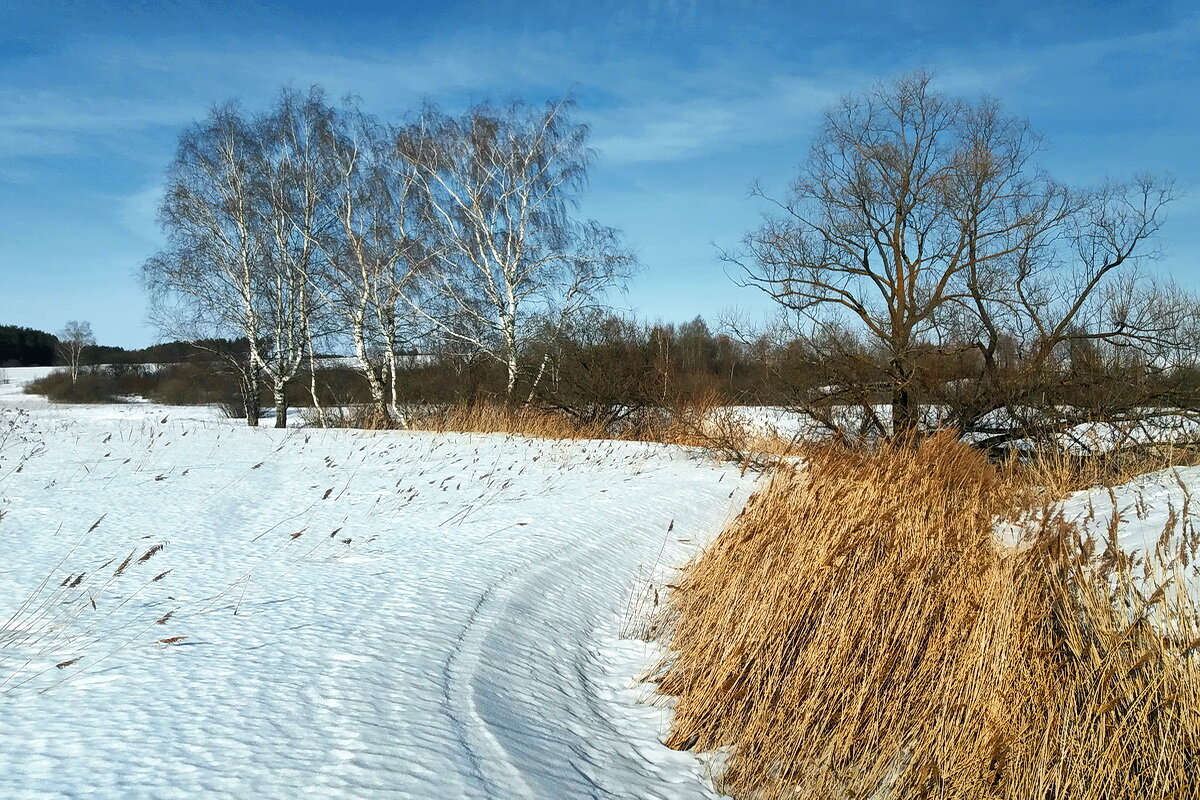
[689, 102]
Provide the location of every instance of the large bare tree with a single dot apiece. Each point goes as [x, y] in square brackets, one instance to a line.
[920, 228]
[1070, 330]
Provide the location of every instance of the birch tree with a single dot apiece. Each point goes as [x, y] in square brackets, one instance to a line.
[373, 253]
[497, 187]
[204, 284]
[73, 340]
[293, 213]
[243, 205]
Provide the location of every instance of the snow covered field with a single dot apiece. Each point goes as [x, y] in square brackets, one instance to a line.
[342, 614]
[345, 614]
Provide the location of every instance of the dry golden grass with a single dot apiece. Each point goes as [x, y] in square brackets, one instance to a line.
[1047, 475]
[363, 417]
[702, 422]
[500, 418]
[709, 423]
[859, 633]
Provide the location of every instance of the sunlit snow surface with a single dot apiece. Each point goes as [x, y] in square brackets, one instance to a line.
[444, 625]
[1142, 510]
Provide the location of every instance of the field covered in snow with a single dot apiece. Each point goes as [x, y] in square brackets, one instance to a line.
[192, 608]
[343, 614]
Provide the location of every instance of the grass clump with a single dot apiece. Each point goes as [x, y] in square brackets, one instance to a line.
[520, 420]
[702, 422]
[1047, 474]
[859, 632]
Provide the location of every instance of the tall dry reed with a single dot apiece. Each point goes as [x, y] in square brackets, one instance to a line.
[1048, 474]
[858, 632]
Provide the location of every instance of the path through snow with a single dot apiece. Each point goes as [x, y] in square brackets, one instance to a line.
[444, 625]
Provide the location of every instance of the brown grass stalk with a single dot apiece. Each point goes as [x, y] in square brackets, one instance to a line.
[858, 632]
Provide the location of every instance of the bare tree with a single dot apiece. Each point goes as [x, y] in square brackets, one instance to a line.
[496, 188]
[293, 211]
[310, 222]
[73, 340]
[919, 228]
[372, 252]
[204, 285]
[1070, 331]
[242, 210]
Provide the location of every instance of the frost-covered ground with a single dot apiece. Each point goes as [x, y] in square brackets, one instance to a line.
[344, 614]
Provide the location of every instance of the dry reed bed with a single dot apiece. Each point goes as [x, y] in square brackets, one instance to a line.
[1046, 475]
[703, 422]
[859, 633]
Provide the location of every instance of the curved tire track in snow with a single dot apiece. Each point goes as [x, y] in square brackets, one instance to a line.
[496, 775]
[455, 636]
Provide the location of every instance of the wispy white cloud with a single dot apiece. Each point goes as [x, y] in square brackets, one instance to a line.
[689, 100]
[175, 83]
[650, 110]
[138, 213]
[683, 127]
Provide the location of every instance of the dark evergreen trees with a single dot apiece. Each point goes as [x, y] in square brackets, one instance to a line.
[26, 347]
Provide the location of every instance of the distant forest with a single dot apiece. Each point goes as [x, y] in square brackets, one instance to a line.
[26, 347]
[29, 347]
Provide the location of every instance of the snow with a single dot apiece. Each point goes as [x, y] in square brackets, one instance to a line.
[1142, 509]
[365, 615]
[12, 379]
[355, 614]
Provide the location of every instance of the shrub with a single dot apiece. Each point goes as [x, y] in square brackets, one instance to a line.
[89, 387]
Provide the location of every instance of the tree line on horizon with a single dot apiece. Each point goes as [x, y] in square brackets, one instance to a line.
[26, 347]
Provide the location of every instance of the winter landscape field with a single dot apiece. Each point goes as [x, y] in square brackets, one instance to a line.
[492, 400]
[196, 608]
